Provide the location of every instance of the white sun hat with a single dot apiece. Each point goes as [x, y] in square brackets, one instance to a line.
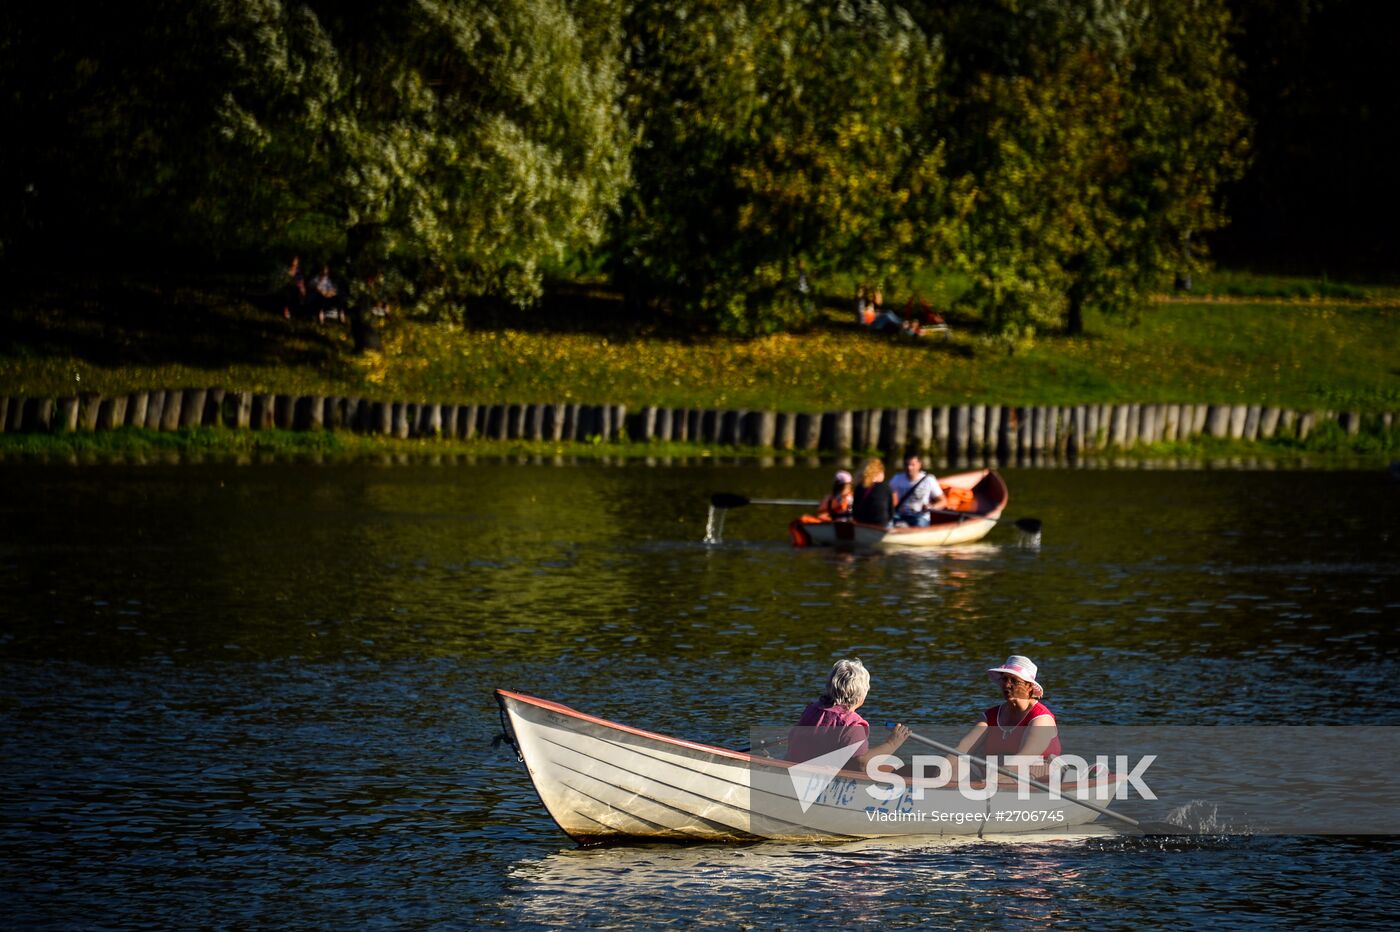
[1020, 667]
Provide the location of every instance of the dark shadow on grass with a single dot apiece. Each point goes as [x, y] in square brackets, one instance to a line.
[180, 323]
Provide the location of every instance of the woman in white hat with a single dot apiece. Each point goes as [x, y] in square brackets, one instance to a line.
[1018, 725]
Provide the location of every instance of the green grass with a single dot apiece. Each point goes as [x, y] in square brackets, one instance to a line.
[1321, 354]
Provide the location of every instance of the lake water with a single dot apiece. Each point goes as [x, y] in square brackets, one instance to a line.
[235, 694]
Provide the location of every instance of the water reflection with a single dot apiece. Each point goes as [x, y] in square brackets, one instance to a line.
[228, 689]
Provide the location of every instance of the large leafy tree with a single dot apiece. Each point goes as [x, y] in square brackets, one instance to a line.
[456, 147]
[1092, 141]
[776, 138]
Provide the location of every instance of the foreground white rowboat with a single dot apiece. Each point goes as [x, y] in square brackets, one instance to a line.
[602, 781]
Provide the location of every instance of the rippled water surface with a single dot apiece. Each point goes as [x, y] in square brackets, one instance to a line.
[234, 694]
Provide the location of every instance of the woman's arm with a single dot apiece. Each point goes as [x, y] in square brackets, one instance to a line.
[891, 744]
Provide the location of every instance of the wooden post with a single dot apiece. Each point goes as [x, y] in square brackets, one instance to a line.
[618, 423]
[921, 428]
[786, 430]
[1147, 423]
[429, 419]
[1007, 439]
[991, 440]
[844, 429]
[1089, 439]
[213, 414]
[398, 419]
[240, 410]
[191, 412]
[1237, 417]
[4, 414]
[136, 405]
[976, 429]
[1268, 422]
[1251, 422]
[1118, 427]
[170, 414]
[88, 405]
[1171, 420]
[66, 420]
[284, 411]
[729, 427]
[1218, 421]
[809, 432]
[381, 418]
[43, 414]
[306, 412]
[155, 409]
[1306, 419]
[765, 434]
[1351, 422]
[111, 413]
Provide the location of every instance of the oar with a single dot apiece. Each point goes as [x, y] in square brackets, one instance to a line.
[1147, 828]
[1029, 525]
[730, 500]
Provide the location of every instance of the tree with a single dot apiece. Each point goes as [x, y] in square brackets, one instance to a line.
[1092, 141]
[776, 138]
[454, 146]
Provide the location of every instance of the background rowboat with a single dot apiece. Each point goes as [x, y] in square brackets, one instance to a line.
[975, 516]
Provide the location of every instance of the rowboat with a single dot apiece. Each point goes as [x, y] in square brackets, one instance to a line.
[602, 781]
[975, 499]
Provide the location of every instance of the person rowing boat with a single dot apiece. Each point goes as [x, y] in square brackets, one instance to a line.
[1020, 725]
[916, 494]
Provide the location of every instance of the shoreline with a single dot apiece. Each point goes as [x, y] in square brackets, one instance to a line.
[194, 446]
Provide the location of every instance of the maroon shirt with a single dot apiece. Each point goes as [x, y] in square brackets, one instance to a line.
[824, 728]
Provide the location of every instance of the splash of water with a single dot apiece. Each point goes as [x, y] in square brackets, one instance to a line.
[714, 526]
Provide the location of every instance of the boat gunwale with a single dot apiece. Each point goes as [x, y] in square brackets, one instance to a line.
[743, 756]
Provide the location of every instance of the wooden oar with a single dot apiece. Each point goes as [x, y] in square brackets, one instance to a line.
[730, 500]
[1147, 828]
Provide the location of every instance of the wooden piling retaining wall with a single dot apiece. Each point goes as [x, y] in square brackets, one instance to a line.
[953, 431]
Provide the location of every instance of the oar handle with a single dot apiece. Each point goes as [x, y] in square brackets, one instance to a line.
[1035, 783]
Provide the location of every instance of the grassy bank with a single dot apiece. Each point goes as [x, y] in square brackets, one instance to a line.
[1303, 349]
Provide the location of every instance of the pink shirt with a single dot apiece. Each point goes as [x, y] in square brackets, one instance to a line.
[1008, 743]
[824, 728]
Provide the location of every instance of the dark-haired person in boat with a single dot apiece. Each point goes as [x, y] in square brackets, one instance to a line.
[874, 502]
[916, 492]
[830, 722]
[839, 503]
[1019, 725]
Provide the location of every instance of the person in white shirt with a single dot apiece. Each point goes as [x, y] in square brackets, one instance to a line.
[915, 493]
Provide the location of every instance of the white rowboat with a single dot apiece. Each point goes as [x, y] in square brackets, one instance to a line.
[982, 503]
[603, 781]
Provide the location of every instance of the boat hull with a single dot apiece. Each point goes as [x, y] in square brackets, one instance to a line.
[972, 522]
[602, 781]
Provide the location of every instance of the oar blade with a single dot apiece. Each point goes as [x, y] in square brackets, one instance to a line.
[1029, 525]
[728, 500]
